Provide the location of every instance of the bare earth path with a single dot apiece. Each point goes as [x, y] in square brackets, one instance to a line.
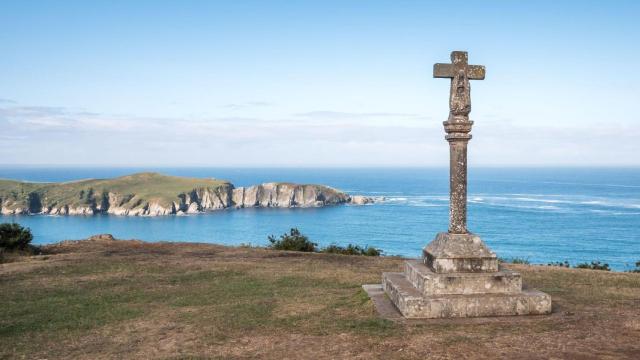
[105, 299]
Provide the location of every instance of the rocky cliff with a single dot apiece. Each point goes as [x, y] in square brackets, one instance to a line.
[151, 194]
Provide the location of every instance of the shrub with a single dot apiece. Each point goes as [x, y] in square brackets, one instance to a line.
[293, 241]
[594, 265]
[560, 264]
[515, 260]
[637, 269]
[15, 237]
[371, 251]
[352, 250]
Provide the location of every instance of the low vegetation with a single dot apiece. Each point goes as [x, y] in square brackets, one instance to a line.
[296, 241]
[594, 265]
[15, 240]
[352, 250]
[293, 241]
[14, 237]
[637, 269]
[515, 260]
[113, 299]
[564, 264]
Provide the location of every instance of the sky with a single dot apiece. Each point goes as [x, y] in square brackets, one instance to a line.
[315, 83]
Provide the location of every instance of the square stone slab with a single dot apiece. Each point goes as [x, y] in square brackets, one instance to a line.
[429, 282]
[450, 253]
[414, 304]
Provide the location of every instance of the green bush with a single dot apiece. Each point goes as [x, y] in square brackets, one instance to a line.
[293, 241]
[594, 265]
[515, 260]
[637, 269]
[560, 264]
[352, 250]
[14, 237]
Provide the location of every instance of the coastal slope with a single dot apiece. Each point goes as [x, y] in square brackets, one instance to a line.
[115, 299]
[153, 194]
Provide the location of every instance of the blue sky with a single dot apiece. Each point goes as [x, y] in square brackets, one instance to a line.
[315, 83]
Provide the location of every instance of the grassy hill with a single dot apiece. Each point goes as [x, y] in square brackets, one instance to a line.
[147, 186]
[129, 299]
[152, 194]
[152, 186]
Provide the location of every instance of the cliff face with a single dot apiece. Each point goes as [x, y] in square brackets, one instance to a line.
[159, 197]
[286, 195]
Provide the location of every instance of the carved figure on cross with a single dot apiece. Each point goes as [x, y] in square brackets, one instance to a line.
[460, 72]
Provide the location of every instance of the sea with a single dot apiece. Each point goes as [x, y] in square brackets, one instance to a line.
[541, 215]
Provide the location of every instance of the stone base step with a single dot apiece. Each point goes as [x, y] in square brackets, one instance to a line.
[413, 304]
[428, 282]
[455, 253]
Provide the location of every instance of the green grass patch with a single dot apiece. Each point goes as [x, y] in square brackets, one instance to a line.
[132, 190]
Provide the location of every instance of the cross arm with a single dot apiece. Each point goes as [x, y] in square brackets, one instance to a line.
[443, 70]
[474, 72]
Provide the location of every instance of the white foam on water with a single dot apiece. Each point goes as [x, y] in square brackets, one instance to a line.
[520, 201]
[538, 200]
[395, 199]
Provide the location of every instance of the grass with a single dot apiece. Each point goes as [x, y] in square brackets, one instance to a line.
[128, 299]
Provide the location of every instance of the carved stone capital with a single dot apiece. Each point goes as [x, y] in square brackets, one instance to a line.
[457, 127]
[458, 137]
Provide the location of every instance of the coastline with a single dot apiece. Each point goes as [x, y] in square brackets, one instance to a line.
[154, 194]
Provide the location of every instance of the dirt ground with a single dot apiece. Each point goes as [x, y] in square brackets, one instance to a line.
[106, 299]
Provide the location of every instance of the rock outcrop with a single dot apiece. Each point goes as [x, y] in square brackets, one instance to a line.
[150, 194]
[285, 195]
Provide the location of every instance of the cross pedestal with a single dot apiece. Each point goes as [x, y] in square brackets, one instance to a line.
[459, 276]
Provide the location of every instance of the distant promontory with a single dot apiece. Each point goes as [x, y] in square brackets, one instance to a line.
[153, 194]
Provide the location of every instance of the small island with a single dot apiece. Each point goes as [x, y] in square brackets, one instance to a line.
[154, 194]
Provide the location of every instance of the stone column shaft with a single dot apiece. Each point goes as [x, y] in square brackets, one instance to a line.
[458, 186]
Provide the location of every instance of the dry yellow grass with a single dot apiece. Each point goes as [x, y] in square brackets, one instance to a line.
[130, 299]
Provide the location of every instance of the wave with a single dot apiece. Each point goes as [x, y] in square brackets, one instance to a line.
[395, 199]
[613, 212]
[527, 207]
[416, 204]
[553, 201]
[418, 201]
[574, 200]
[533, 202]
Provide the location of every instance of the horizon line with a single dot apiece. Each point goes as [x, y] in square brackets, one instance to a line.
[383, 166]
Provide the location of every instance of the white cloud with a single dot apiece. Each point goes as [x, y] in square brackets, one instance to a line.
[246, 105]
[55, 135]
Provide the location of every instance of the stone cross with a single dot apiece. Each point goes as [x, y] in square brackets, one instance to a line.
[458, 127]
[459, 275]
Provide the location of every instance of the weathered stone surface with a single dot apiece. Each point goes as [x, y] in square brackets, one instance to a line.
[449, 253]
[101, 237]
[414, 304]
[459, 275]
[363, 200]
[458, 127]
[431, 283]
[287, 195]
[380, 300]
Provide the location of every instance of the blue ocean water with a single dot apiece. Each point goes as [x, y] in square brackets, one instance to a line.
[540, 214]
